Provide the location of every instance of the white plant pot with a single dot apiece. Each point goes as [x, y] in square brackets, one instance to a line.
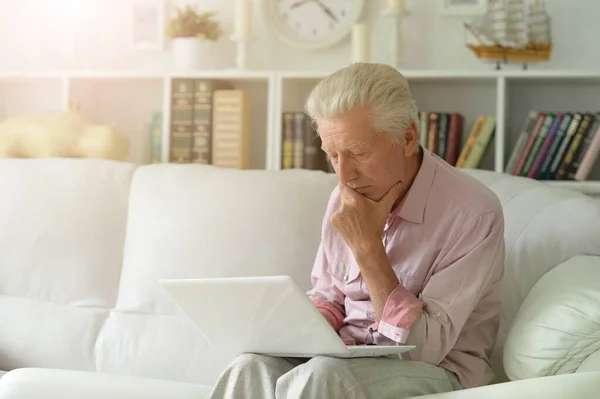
[192, 54]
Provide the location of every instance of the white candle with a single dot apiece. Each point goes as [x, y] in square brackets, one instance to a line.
[396, 5]
[360, 43]
[243, 18]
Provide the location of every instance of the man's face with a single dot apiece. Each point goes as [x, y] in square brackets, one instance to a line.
[363, 159]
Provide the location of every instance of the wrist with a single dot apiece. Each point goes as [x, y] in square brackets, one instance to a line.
[369, 250]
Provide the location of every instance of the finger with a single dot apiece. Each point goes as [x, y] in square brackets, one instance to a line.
[348, 194]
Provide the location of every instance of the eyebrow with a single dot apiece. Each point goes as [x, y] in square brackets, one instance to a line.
[350, 146]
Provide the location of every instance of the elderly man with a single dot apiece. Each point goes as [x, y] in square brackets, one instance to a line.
[412, 252]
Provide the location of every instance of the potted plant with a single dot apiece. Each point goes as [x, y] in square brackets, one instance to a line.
[191, 31]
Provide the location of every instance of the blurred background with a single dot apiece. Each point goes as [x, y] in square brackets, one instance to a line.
[152, 68]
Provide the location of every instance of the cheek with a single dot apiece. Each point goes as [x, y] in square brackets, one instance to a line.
[388, 170]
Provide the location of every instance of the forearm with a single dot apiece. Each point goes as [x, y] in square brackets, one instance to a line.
[332, 314]
[378, 274]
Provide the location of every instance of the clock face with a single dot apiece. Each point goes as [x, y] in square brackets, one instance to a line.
[313, 19]
[312, 23]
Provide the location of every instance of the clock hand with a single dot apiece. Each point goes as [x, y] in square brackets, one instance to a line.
[299, 3]
[327, 10]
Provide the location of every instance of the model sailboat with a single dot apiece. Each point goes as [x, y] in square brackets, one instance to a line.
[512, 31]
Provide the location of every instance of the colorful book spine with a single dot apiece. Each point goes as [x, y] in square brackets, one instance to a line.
[481, 143]
[578, 137]
[314, 156]
[537, 144]
[231, 129]
[521, 142]
[529, 144]
[455, 132]
[470, 143]
[564, 145]
[156, 137]
[584, 148]
[182, 103]
[298, 140]
[287, 141]
[202, 122]
[432, 135]
[545, 147]
[423, 128]
[590, 157]
[442, 135]
[560, 134]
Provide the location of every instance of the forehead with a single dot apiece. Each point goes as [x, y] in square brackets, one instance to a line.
[345, 132]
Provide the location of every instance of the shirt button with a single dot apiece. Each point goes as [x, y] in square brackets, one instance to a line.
[345, 277]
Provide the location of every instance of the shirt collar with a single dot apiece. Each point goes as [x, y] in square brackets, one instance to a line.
[412, 206]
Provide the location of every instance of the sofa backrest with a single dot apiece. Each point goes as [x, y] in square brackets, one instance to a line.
[62, 232]
[83, 244]
[192, 222]
[544, 226]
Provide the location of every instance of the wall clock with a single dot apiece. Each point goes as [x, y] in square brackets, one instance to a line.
[311, 24]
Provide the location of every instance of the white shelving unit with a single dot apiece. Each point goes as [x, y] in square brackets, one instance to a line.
[127, 99]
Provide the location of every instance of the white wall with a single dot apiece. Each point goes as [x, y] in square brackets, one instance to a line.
[432, 41]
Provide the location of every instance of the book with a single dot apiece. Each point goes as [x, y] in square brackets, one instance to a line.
[231, 129]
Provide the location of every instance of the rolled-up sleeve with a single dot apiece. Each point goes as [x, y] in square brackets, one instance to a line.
[324, 294]
[470, 266]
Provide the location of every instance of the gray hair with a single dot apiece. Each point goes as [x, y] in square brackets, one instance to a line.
[382, 88]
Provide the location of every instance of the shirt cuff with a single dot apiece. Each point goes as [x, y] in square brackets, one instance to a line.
[331, 314]
[401, 310]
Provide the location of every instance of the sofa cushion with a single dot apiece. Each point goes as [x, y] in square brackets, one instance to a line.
[590, 363]
[38, 383]
[558, 325]
[544, 227]
[194, 221]
[568, 386]
[62, 231]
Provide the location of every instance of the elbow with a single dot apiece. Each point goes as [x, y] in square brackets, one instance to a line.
[431, 337]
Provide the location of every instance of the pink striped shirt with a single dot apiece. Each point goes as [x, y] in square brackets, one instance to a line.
[445, 242]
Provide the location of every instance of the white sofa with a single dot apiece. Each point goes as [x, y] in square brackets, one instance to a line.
[83, 243]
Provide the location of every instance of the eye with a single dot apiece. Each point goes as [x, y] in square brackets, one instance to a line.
[333, 157]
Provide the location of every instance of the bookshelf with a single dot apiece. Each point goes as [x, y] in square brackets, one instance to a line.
[128, 98]
[506, 95]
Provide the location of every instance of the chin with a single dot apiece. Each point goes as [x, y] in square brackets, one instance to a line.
[370, 195]
[363, 191]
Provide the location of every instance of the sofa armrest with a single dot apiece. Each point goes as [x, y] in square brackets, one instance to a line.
[558, 325]
[580, 386]
[30, 383]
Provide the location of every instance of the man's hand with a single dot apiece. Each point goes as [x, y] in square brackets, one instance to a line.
[360, 221]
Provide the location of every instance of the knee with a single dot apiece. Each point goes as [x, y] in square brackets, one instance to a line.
[248, 360]
[322, 367]
[318, 371]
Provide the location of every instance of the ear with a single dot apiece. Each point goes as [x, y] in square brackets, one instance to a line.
[411, 139]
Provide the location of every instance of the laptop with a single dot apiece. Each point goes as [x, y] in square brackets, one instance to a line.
[268, 315]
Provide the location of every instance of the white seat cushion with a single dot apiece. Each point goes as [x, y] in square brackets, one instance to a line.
[566, 386]
[29, 383]
[557, 327]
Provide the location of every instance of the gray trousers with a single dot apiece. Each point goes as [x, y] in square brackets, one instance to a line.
[264, 377]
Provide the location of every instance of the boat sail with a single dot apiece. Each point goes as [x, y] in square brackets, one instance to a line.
[512, 31]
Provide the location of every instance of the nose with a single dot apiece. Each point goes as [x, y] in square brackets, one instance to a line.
[345, 170]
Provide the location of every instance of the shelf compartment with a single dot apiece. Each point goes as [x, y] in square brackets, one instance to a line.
[557, 94]
[126, 103]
